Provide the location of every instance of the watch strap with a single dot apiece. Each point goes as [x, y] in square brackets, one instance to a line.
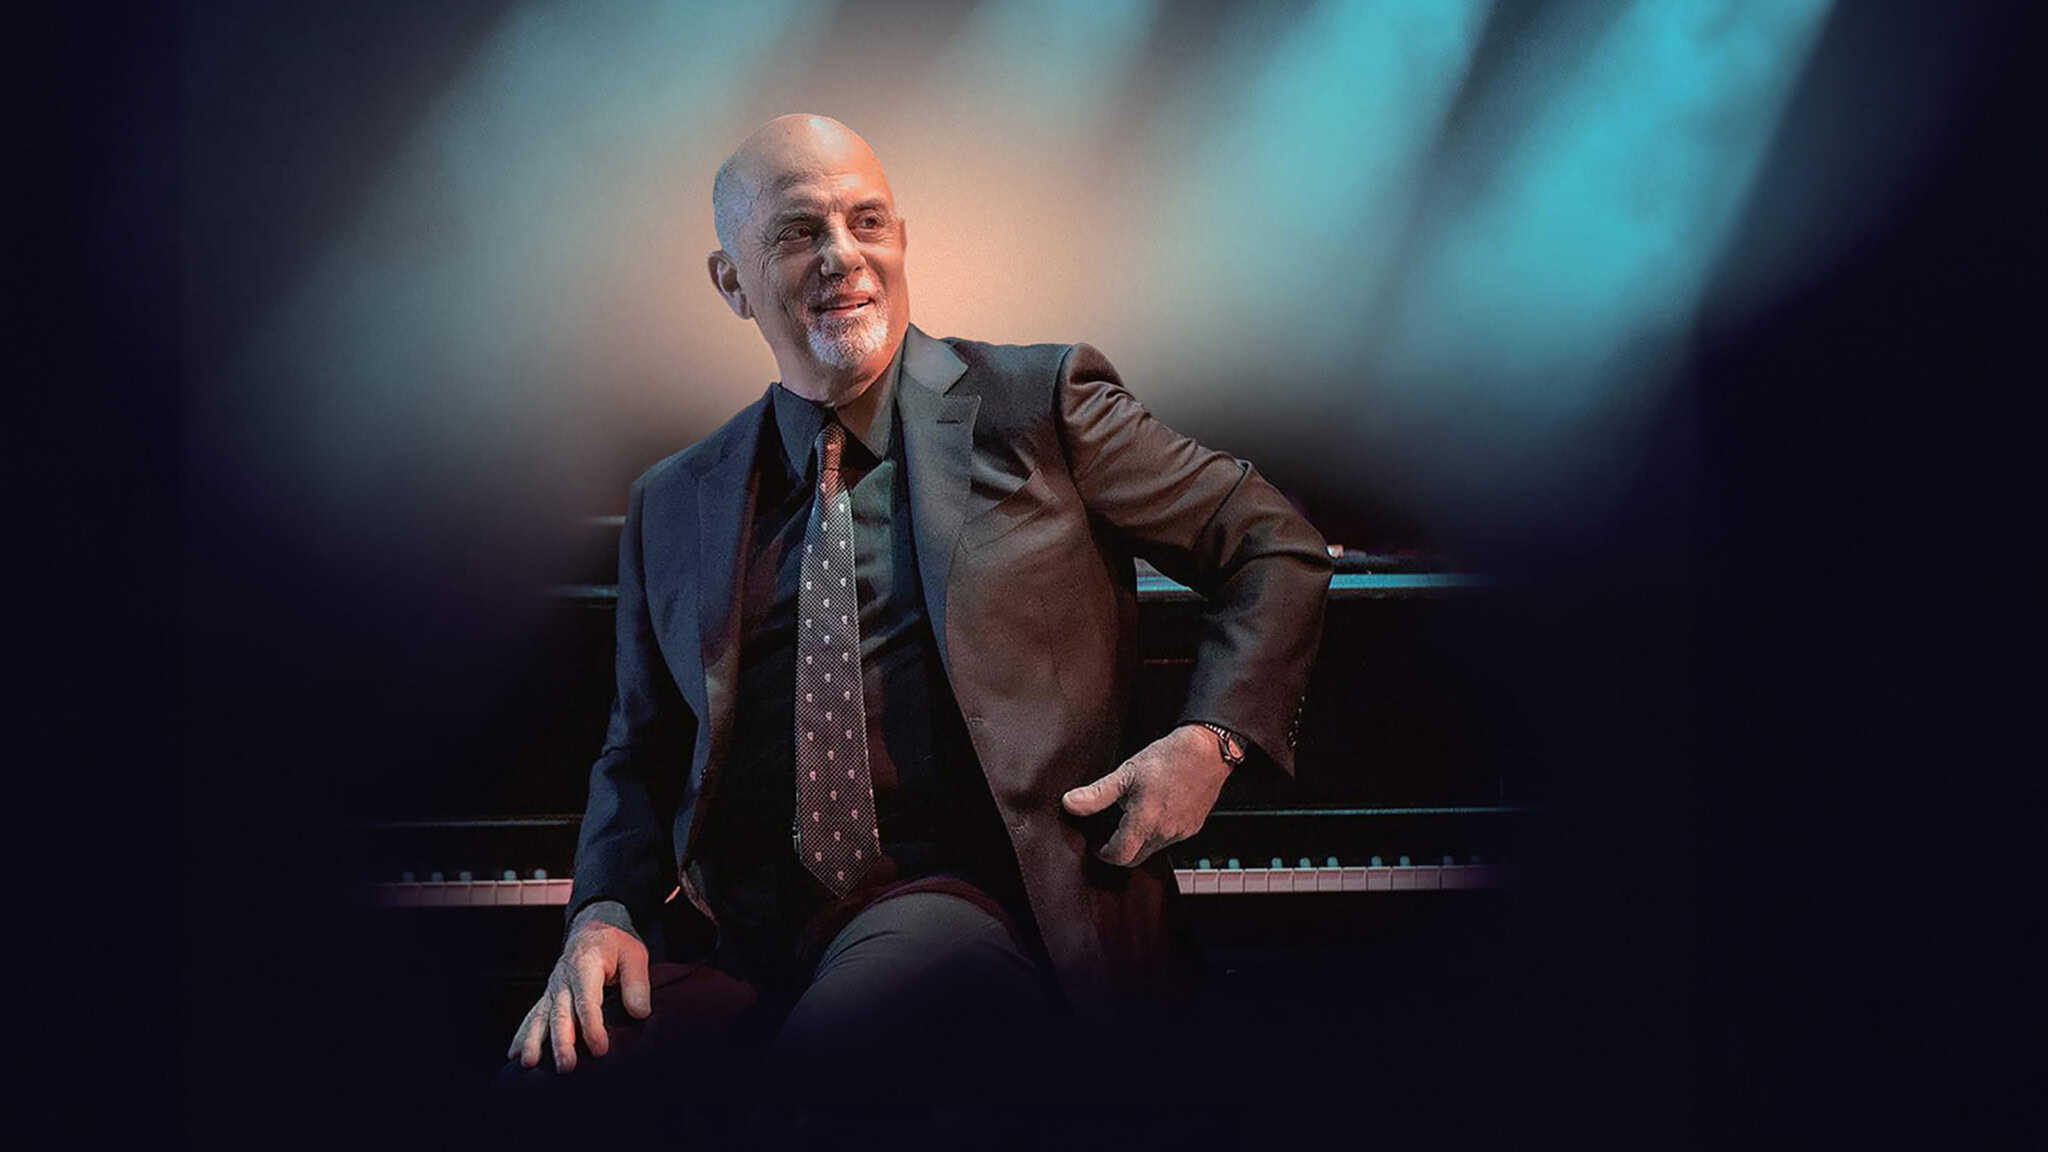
[1229, 743]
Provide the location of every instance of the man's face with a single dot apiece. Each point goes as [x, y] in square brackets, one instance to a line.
[821, 263]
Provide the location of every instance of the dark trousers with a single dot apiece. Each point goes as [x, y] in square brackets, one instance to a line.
[925, 1022]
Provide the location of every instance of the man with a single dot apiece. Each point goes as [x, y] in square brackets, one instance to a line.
[875, 646]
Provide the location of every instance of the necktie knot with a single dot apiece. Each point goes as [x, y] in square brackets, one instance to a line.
[831, 445]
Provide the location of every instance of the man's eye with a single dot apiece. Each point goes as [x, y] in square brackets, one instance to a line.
[794, 233]
[870, 223]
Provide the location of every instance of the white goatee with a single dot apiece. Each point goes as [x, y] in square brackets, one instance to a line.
[847, 342]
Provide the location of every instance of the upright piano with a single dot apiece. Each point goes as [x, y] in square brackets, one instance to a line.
[1393, 846]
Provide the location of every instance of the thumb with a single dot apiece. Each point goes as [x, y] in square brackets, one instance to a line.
[1089, 799]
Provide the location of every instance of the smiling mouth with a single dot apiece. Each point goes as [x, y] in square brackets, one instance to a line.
[844, 308]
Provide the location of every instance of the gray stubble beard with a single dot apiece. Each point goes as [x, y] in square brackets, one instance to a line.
[848, 343]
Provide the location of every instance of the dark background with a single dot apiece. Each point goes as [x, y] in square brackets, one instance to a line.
[1788, 792]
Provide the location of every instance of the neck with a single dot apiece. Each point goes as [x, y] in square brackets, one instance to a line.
[835, 390]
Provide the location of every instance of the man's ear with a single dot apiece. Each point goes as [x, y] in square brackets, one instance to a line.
[725, 276]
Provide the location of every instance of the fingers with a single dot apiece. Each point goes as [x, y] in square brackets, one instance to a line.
[1089, 799]
[1133, 839]
[527, 1040]
[587, 981]
[563, 1028]
[1130, 844]
[634, 988]
[576, 992]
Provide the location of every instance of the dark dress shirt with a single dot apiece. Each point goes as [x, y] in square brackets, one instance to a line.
[936, 820]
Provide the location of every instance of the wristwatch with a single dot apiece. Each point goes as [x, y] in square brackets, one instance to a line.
[1227, 742]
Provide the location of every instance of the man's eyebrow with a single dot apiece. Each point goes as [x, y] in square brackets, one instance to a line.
[811, 209]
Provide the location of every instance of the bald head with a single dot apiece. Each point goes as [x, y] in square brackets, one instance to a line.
[784, 150]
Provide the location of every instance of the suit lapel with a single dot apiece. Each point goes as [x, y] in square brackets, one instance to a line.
[724, 490]
[938, 450]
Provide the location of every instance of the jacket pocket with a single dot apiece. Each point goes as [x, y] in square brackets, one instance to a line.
[1032, 499]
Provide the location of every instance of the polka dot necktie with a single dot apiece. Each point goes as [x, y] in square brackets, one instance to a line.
[835, 802]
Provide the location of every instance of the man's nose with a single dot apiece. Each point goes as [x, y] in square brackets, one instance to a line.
[838, 252]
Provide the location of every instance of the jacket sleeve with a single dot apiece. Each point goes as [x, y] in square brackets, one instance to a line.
[1211, 522]
[624, 849]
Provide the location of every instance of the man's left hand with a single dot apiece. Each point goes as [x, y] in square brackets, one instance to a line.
[1166, 790]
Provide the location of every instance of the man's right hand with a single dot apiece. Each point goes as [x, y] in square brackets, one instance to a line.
[602, 949]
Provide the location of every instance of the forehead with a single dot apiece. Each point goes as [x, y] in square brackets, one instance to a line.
[818, 189]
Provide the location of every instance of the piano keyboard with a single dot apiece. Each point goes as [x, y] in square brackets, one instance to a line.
[470, 893]
[1204, 879]
[1401, 876]
[1154, 588]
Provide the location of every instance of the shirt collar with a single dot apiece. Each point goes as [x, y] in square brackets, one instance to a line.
[867, 416]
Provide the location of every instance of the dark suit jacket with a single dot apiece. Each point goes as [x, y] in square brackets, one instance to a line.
[1034, 479]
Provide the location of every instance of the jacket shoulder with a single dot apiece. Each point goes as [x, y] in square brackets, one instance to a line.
[1008, 361]
[1017, 383]
[681, 468]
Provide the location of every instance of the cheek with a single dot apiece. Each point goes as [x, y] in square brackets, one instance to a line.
[885, 259]
[785, 296]
[778, 280]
